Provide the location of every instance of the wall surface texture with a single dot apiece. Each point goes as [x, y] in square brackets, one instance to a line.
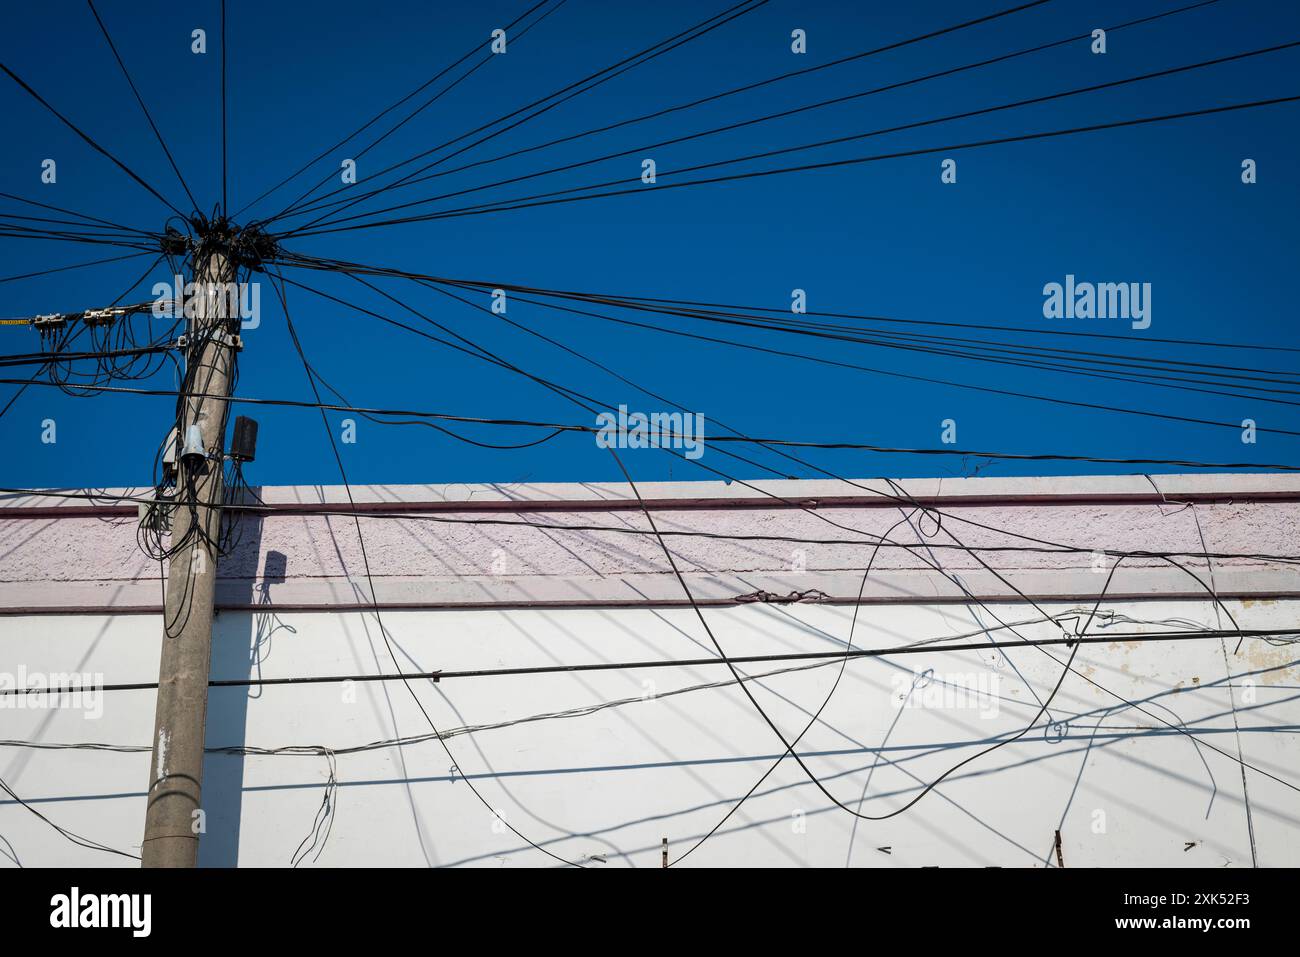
[1180, 751]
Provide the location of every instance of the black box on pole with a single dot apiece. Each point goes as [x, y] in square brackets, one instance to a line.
[243, 443]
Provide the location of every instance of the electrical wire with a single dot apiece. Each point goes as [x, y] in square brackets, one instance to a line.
[921, 647]
[540, 199]
[375, 119]
[573, 89]
[86, 138]
[515, 38]
[140, 99]
[899, 44]
[365, 560]
[892, 86]
[732, 161]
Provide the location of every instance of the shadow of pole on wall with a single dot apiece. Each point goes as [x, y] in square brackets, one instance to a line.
[242, 637]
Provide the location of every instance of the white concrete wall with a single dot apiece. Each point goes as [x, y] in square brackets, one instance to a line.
[615, 782]
[1122, 783]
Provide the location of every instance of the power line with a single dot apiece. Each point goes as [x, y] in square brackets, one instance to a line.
[365, 561]
[224, 202]
[45, 358]
[87, 139]
[814, 69]
[851, 96]
[732, 343]
[935, 645]
[626, 301]
[1067, 667]
[982, 348]
[139, 99]
[533, 202]
[420, 109]
[70, 212]
[361, 129]
[96, 262]
[574, 89]
[731, 161]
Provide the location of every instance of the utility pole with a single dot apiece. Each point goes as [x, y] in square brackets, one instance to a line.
[171, 831]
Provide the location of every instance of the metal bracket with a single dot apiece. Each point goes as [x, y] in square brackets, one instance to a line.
[228, 339]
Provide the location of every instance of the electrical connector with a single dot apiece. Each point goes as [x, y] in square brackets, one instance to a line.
[101, 317]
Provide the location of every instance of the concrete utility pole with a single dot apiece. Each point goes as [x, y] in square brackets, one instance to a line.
[171, 837]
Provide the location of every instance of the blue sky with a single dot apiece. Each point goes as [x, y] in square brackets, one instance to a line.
[1161, 204]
